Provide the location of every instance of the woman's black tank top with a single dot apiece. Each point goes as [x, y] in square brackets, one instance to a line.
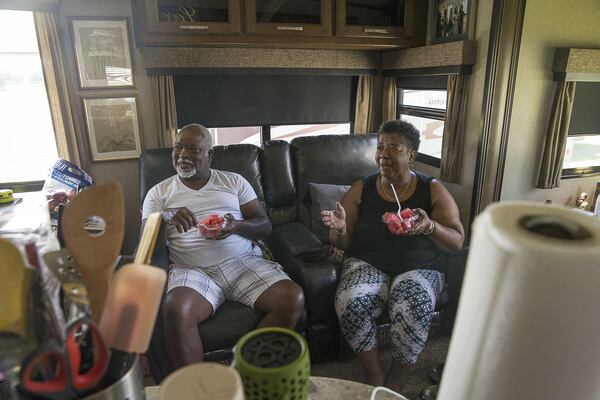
[373, 243]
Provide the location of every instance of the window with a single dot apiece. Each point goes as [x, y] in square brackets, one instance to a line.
[27, 144]
[582, 153]
[422, 102]
[288, 132]
[243, 134]
[259, 134]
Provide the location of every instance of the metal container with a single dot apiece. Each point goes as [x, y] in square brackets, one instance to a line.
[129, 387]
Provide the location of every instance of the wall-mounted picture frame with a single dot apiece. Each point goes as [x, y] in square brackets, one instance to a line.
[450, 20]
[102, 52]
[113, 127]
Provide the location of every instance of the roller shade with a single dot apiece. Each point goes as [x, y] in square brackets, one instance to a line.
[238, 100]
[585, 117]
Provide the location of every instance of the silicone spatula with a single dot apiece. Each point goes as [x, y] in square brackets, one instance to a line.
[95, 251]
[130, 312]
[14, 287]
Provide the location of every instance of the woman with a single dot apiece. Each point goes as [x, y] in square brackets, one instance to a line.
[397, 270]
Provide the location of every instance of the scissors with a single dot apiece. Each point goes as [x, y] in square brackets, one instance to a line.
[60, 372]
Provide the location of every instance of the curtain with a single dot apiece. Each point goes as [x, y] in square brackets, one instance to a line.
[556, 136]
[166, 112]
[56, 85]
[363, 115]
[454, 129]
[389, 99]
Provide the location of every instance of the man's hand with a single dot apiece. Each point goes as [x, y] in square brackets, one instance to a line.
[182, 218]
[229, 226]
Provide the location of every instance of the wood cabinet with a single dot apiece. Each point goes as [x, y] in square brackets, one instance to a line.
[375, 18]
[289, 17]
[332, 24]
[192, 16]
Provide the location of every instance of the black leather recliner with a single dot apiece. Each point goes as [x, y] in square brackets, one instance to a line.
[279, 173]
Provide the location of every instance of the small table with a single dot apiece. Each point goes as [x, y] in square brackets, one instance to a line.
[324, 389]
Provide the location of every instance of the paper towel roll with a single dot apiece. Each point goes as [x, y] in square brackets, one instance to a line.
[528, 322]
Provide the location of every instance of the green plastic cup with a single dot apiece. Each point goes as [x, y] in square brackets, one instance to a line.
[274, 364]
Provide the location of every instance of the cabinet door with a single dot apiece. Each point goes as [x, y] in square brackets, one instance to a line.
[198, 16]
[289, 17]
[375, 18]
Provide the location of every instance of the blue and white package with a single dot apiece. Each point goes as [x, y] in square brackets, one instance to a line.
[66, 176]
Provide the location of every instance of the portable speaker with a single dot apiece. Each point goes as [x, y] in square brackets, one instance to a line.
[274, 364]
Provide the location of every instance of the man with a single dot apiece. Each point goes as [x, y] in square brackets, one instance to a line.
[204, 272]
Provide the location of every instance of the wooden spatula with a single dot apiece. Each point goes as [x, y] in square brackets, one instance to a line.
[95, 253]
[14, 287]
[143, 255]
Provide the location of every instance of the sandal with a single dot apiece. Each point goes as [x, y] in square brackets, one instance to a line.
[429, 393]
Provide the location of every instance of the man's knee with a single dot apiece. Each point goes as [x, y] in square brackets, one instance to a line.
[284, 297]
[183, 306]
[293, 297]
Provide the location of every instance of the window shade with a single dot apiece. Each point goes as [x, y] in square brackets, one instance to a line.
[585, 118]
[237, 100]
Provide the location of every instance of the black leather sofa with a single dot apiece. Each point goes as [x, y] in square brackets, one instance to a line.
[280, 173]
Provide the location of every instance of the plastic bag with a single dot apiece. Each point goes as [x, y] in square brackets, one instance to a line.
[64, 176]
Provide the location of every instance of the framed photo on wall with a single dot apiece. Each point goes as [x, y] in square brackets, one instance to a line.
[450, 20]
[113, 128]
[102, 52]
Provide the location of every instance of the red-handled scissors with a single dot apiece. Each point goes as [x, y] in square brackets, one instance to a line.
[59, 372]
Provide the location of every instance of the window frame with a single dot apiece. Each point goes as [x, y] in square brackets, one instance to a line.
[421, 83]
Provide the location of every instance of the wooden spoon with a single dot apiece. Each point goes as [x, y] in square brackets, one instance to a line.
[14, 287]
[143, 255]
[95, 253]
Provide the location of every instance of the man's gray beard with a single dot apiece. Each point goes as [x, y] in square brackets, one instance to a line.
[185, 174]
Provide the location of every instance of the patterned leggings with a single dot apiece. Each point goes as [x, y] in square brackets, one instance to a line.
[361, 297]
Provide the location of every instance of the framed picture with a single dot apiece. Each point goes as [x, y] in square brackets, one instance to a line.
[103, 53]
[450, 20]
[113, 128]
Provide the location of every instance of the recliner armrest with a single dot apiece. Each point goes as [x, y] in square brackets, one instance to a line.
[299, 241]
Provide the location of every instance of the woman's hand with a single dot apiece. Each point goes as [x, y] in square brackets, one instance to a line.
[335, 219]
[422, 224]
[182, 218]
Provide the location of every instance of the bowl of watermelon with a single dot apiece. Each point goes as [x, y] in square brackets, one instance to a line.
[398, 224]
[211, 226]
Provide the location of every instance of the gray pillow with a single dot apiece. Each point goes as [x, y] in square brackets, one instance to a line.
[323, 197]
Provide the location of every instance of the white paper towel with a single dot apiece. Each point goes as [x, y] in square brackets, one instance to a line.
[528, 322]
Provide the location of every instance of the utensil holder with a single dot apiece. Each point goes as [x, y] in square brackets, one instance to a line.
[129, 387]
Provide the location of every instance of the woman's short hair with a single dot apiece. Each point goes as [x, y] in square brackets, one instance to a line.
[403, 128]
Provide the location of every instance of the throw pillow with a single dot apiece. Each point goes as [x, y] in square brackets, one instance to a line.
[323, 197]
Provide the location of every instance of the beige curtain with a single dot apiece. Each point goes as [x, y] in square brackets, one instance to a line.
[556, 136]
[56, 85]
[454, 129]
[164, 103]
[388, 105]
[363, 115]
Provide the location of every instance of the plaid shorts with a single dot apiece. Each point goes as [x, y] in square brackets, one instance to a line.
[242, 279]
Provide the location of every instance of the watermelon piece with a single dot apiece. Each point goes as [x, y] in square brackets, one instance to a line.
[399, 224]
[394, 223]
[211, 226]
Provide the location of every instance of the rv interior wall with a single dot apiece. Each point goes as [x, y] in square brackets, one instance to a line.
[546, 27]
[123, 171]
